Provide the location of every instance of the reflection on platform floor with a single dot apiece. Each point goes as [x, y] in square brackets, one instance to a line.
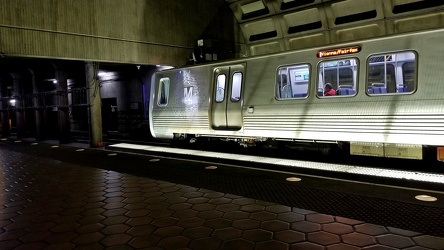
[382, 172]
[54, 203]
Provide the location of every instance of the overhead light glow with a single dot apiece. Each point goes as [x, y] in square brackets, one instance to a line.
[425, 198]
[293, 179]
[163, 67]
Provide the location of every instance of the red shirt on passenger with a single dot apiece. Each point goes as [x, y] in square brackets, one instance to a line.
[330, 92]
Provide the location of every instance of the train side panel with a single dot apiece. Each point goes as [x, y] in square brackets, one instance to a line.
[185, 111]
[415, 118]
[411, 114]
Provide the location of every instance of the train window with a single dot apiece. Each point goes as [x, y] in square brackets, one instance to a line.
[164, 91]
[292, 82]
[220, 88]
[338, 78]
[236, 87]
[392, 73]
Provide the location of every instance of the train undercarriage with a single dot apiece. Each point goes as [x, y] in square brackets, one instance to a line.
[331, 149]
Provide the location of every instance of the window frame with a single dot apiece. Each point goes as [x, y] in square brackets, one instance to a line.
[355, 77]
[224, 88]
[292, 84]
[396, 86]
[236, 98]
[164, 87]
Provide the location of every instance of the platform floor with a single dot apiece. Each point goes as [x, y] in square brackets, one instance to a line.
[69, 197]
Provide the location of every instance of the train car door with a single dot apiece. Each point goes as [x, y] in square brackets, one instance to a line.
[226, 97]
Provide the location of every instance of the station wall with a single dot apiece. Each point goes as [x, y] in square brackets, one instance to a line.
[137, 31]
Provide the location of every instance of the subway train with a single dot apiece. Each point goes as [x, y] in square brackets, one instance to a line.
[388, 98]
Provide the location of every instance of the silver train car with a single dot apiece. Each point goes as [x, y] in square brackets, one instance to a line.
[388, 102]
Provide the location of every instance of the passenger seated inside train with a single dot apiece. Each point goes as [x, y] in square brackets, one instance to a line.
[328, 90]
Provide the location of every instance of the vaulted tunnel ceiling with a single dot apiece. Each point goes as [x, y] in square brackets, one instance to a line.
[270, 26]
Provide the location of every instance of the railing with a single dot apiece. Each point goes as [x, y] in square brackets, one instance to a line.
[49, 99]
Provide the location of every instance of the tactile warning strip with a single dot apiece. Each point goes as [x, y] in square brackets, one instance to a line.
[398, 174]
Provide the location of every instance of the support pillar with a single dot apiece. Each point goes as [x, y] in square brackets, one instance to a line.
[94, 105]
[63, 106]
[39, 110]
[19, 108]
[4, 109]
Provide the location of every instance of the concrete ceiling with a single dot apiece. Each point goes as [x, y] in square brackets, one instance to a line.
[270, 26]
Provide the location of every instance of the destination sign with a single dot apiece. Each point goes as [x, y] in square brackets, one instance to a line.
[338, 52]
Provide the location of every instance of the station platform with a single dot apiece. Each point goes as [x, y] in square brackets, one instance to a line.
[74, 197]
